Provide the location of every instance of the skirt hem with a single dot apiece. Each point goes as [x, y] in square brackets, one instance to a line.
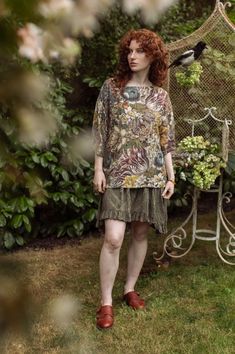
[115, 215]
[140, 204]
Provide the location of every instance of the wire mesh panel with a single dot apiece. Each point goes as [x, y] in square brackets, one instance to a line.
[217, 81]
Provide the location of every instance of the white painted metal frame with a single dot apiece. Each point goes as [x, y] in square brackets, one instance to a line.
[173, 244]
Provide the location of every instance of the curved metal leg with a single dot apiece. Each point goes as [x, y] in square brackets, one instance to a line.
[228, 254]
[173, 243]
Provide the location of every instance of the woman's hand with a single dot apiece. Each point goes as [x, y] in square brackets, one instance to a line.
[169, 190]
[99, 181]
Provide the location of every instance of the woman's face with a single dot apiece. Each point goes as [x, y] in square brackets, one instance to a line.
[137, 58]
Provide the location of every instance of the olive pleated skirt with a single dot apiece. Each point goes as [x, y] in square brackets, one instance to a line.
[133, 204]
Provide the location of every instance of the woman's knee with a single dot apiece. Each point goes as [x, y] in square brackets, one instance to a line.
[139, 230]
[114, 234]
[113, 241]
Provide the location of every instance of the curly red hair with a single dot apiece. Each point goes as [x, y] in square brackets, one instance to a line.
[153, 46]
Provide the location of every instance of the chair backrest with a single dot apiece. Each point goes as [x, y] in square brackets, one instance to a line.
[213, 129]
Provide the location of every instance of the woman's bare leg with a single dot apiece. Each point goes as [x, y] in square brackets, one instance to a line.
[109, 257]
[136, 253]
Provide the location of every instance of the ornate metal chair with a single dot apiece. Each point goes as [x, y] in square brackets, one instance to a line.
[216, 88]
[174, 242]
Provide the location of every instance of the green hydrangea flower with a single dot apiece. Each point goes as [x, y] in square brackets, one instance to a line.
[190, 76]
[199, 162]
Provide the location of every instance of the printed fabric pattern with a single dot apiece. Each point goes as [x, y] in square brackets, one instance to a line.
[133, 130]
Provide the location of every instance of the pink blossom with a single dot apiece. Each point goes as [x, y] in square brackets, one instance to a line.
[31, 46]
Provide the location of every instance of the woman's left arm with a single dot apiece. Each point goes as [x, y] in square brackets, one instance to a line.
[169, 188]
[167, 139]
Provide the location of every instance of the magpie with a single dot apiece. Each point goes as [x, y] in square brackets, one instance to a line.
[188, 57]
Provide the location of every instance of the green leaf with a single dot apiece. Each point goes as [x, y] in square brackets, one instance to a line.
[184, 202]
[55, 149]
[64, 197]
[23, 204]
[56, 197]
[75, 130]
[90, 198]
[43, 161]
[70, 231]
[3, 221]
[63, 144]
[19, 240]
[27, 223]
[35, 158]
[65, 175]
[78, 203]
[17, 221]
[61, 231]
[50, 157]
[8, 240]
[83, 162]
[77, 187]
[78, 227]
[80, 171]
[90, 215]
[178, 203]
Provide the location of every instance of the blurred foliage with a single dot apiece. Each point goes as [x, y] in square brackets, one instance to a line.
[41, 191]
[44, 189]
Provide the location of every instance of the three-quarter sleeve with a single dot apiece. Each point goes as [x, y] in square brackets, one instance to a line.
[167, 127]
[101, 120]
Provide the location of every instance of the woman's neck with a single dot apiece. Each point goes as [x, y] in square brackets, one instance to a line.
[139, 79]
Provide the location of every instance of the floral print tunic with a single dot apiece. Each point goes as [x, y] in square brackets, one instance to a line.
[132, 130]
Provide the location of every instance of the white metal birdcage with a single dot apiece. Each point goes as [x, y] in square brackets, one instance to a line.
[217, 82]
[217, 91]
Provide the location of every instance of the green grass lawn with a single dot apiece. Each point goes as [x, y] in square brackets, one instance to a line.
[190, 306]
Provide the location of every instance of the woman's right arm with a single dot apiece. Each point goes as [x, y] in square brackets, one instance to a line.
[100, 131]
[99, 180]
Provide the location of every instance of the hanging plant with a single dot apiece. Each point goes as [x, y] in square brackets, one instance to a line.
[198, 162]
[190, 76]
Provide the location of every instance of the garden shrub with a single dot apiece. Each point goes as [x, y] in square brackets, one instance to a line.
[40, 194]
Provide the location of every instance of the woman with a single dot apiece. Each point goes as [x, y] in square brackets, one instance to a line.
[133, 132]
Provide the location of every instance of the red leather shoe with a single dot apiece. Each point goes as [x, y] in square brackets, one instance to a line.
[104, 317]
[133, 300]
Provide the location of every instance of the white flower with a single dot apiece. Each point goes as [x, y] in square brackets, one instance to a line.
[131, 6]
[67, 50]
[64, 309]
[53, 8]
[31, 45]
[35, 128]
[81, 145]
[84, 18]
[34, 87]
[150, 9]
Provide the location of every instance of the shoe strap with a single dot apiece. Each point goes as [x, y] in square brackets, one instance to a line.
[105, 310]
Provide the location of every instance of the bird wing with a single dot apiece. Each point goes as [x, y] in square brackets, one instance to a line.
[182, 57]
[187, 54]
